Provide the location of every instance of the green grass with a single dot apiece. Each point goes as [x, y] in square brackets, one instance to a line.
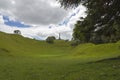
[27, 59]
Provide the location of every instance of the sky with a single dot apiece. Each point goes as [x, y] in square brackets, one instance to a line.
[38, 19]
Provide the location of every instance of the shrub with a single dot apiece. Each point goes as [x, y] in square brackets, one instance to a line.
[75, 43]
[66, 40]
[50, 39]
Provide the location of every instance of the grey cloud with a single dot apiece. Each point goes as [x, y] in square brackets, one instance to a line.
[35, 11]
[4, 4]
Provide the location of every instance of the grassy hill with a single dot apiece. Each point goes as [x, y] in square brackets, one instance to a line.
[27, 59]
[97, 52]
[16, 45]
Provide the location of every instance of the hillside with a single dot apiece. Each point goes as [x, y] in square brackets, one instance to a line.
[16, 45]
[28, 59]
[97, 52]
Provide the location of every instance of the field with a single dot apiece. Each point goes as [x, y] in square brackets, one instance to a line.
[27, 59]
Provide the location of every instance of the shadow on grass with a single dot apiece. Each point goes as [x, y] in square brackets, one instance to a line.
[4, 52]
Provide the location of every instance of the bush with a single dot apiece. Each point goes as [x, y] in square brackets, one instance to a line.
[50, 39]
[67, 40]
[17, 32]
[75, 43]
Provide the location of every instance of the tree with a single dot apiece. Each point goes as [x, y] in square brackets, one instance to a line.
[50, 39]
[17, 32]
[101, 11]
[79, 32]
[102, 18]
[82, 31]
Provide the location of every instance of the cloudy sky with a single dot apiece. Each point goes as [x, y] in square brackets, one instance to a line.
[38, 18]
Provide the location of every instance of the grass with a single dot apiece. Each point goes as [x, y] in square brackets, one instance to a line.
[27, 59]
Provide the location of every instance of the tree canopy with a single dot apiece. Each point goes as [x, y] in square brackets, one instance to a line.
[103, 17]
[103, 12]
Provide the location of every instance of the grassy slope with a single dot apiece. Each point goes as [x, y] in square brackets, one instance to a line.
[16, 45]
[26, 59]
[96, 52]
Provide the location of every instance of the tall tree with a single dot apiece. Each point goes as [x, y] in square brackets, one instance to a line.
[101, 11]
[102, 16]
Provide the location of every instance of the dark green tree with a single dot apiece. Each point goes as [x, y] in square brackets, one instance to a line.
[102, 21]
[80, 33]
[101, 11]
[50, 39]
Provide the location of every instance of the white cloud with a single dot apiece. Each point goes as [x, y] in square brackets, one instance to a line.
[1, 20]
[42, 32]
[40, 14]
